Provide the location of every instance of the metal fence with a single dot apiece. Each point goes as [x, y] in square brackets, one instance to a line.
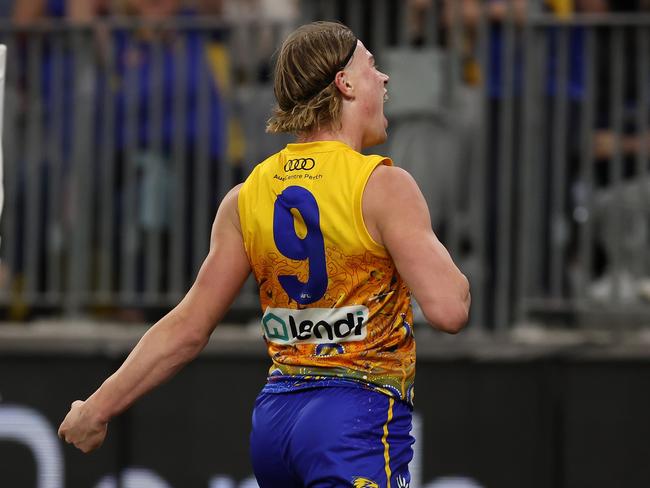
[528, 137]
[121, 140]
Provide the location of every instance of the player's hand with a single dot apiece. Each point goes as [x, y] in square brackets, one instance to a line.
[83, 429]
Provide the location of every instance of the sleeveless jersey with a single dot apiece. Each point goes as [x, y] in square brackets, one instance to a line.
[333, 303]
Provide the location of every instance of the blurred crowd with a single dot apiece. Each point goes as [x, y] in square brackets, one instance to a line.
[148, 101]
[163, 93]
[610, 191]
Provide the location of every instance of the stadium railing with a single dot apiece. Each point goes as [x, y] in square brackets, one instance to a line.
[529, 138]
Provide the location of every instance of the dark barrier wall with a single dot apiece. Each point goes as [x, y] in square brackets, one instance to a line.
[550, 423]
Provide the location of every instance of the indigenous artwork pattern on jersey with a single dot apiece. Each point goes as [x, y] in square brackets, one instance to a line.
[333, 303]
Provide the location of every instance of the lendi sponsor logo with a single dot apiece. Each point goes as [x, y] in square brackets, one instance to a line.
[315, 325]
[299, 164]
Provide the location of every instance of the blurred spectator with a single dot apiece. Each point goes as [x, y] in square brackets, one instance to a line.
[36, 106]
[604, 138]
[257, 27]
[263, 22]
[27, 11]
[620, 214]
[136, 54]
[152, 62]
[506, 53]
[213, 8]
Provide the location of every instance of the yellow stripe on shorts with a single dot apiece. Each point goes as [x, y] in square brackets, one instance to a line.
[384, 440]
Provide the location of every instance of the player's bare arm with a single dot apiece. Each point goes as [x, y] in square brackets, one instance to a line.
[402, 224]
[174, 340]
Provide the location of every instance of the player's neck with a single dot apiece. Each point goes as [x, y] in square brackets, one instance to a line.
[351, 137]
[331, 136]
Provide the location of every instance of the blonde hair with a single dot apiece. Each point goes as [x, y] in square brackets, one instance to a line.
[304, 75]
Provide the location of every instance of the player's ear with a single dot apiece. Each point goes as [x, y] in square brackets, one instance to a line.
[343, 83]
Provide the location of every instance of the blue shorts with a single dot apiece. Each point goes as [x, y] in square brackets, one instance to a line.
[334, 436]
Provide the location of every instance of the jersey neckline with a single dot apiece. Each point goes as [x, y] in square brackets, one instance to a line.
[317, 146]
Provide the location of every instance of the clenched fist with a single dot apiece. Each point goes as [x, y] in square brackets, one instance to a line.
[82, 428]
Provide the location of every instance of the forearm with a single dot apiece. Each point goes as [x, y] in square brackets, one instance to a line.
[446, 303]
[447, 310]
[161, 352]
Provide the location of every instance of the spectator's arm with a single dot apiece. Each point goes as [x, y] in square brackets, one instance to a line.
[210, 7]
[499, 10]
[469, 11]
[27, 11]
[402, 224]
[174, 340]
[592, 6]
[82, 11]
[605, 141]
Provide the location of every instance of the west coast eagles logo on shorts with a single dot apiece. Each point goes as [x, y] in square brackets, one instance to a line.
[359, 482]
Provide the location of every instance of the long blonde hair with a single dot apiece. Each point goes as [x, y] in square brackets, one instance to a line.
[304, 75]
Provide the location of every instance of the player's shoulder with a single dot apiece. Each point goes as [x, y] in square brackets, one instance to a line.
[388, 180]
[230, 202]
[228, 211]
[233, 194]
[391, 193]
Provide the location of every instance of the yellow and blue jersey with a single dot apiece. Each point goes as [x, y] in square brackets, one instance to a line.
[334, 305]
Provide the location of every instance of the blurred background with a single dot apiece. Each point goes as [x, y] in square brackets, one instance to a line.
[526, 124]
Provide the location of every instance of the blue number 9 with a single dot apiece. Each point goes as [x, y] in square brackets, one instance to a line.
[311, 247]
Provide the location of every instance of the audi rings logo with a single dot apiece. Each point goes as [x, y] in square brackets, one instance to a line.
[300, 163]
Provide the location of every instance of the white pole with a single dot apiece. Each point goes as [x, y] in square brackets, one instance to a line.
[3, 63]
